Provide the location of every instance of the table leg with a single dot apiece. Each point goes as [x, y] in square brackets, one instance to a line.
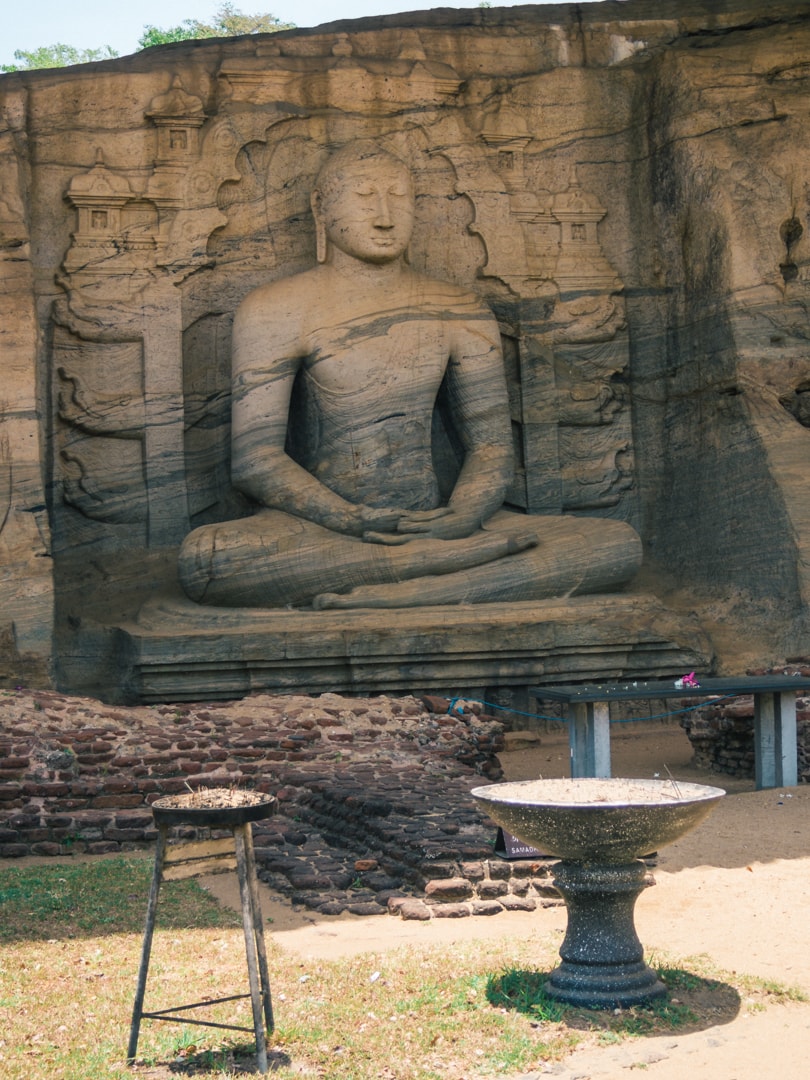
[589, 739]
[775, 755]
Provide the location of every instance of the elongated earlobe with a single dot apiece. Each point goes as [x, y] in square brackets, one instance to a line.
[321, 245]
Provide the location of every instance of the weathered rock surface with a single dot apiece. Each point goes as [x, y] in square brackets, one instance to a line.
[623, 185]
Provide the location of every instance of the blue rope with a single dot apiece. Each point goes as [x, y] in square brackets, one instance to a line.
[562, 720]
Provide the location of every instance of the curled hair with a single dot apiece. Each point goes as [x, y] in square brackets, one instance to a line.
[352, 153]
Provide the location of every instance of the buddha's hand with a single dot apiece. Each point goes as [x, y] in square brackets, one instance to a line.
[444, 523]
[374, 521]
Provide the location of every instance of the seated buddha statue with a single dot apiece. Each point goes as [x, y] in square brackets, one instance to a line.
[356, 519]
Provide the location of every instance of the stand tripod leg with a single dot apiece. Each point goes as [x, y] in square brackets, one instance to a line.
[258, 928]
[244, 869]
[151, 911]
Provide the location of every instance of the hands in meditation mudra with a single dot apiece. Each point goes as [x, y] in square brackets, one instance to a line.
[358, 520]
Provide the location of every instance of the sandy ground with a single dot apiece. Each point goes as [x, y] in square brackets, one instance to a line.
[737, 889]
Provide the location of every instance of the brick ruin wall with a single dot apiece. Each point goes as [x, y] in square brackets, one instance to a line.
[373, 794]
[722, 734]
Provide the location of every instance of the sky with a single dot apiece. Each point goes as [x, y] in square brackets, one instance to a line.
[91, 24]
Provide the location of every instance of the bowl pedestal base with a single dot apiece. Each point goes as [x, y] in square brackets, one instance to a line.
[602, 958]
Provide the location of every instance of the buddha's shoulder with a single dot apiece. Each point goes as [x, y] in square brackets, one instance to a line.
[438, 290]
[274, 298]
[293, 295]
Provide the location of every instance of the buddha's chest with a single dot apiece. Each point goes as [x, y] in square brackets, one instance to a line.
[393, 357]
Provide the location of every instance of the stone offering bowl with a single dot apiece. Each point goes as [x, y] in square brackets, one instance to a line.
[599, 829]
[220, 809]
[597, 821]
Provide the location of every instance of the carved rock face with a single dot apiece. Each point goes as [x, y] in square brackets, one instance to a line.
[651, 297]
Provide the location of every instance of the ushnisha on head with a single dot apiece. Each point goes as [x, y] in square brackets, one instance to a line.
[363, 204]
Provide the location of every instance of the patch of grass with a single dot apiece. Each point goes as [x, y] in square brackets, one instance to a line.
[523, 991]
[67, 984]
[74, 899]
[658, 1017]
[695, 1000]
[770, 990]
[704, 972]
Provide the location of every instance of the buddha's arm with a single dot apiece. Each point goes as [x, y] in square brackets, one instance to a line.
[267, 354]
[479, 403]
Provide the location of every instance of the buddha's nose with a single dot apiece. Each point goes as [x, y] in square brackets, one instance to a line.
[383, 218]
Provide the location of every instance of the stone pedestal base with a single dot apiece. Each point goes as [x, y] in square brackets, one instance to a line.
[603, 961]
[179, 651]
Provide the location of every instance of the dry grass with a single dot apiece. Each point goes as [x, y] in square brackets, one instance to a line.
[71, 944]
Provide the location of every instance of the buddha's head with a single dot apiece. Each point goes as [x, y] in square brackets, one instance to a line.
[363, 204]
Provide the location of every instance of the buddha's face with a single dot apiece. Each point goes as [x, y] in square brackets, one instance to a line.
[367, 209]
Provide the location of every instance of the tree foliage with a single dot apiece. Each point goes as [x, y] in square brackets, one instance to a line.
[54, 56]
[228, 21]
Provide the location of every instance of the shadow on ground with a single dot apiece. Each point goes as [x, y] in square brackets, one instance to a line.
[693, 1003]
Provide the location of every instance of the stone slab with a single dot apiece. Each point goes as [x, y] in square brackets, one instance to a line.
[179, 651]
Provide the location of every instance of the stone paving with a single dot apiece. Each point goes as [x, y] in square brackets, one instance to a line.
[374, 807]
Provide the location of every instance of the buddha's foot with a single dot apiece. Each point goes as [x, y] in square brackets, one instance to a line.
[328, 600]
[521, 543]
[372, 596]
[446, 583]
